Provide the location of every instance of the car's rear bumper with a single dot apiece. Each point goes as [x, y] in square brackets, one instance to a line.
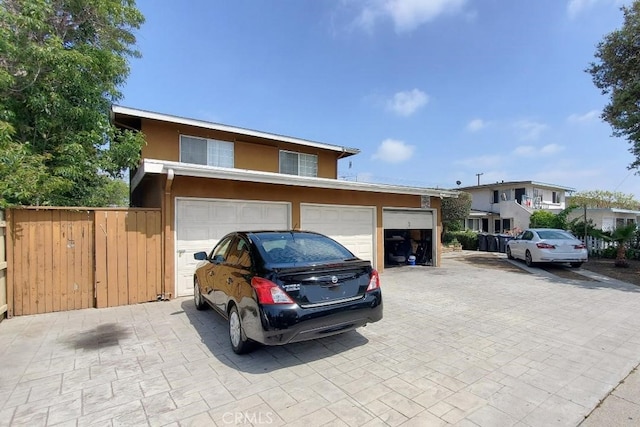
[562, 259]
[283, 324]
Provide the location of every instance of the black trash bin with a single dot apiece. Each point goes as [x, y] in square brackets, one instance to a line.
[492, 243]
[502, 242]
[482, 242]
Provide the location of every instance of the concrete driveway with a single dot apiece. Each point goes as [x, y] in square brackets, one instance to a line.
[459, 345]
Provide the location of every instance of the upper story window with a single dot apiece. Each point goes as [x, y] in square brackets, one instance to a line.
[208, 152]
[555, 197]
[298, 163]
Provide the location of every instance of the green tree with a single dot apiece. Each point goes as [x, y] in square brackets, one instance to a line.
[61, 65]
[454, 211]
[603, 199]
[615, 73]
[542, 219]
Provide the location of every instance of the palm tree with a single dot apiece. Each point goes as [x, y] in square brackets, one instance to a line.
[621, 236]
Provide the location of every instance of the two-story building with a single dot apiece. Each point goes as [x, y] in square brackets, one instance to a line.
[209, 179]
[506, 206]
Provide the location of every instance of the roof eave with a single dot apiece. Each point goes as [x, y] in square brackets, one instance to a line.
[150, 115]
[152, 166]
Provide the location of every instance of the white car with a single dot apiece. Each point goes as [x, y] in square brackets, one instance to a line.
[547, 245]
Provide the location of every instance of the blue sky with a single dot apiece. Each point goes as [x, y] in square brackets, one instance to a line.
[431, 91]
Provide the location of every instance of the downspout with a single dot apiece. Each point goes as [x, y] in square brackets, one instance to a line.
[167, 229]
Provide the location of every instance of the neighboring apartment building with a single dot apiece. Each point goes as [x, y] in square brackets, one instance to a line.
[505, 207]
[606, 219]
[209, 179]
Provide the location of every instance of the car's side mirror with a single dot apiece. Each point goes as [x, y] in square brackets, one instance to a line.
[200, 256]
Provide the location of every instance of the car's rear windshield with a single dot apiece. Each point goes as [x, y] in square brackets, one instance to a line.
[283, 248]
[555, 234]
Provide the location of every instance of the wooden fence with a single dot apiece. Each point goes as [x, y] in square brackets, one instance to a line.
[67, 259]
[3, 266]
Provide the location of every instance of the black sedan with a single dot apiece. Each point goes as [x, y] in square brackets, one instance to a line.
[278, 287]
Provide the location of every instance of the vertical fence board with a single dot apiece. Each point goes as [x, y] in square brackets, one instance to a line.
[142, 278]
[30, 284]
[4, 296]
[131, 229]
[62, 261]
[101, 259]
[56, 270]
[123, 292]
[155, 254]
[47, 258]
[38, 260]
[112, 260]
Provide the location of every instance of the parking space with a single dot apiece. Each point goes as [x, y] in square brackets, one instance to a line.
[459, 344]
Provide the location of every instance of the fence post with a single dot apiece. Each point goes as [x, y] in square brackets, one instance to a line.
[4, 307]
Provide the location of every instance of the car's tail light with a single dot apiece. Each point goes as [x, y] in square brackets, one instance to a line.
[374, 281]
[268, 292]
[581, 246]
[545, 246]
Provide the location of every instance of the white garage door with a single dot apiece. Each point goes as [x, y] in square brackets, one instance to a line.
[353, 226]
[407, 219]
[201, 223]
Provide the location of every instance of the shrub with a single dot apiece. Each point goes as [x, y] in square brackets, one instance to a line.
[468, 239]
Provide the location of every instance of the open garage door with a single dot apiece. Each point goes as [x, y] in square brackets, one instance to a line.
[408, 232]
[352, 226]
[201, 223]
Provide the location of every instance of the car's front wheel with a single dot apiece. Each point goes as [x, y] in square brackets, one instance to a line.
[197, 296]
[239, 342]
[528, 259]
[509, 253]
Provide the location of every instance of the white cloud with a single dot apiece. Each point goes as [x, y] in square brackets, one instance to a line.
[406, 15]
[574, 7]
[406, 103]
[591, 116]
[529, 130]
[551, 149]
[476, 124]
[394, 151]
[531, 151]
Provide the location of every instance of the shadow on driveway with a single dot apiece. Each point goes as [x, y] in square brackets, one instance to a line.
[213, 330]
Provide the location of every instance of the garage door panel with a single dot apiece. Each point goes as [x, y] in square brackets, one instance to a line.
[200, 224]
[353, 227]
[404, 220]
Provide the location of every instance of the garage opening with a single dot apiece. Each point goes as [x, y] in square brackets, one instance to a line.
[408, 237]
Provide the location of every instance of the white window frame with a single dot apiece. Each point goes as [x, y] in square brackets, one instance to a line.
[300, 166]
[213, 147]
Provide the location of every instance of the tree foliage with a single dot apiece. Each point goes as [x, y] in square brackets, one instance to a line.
[455, 210]
[604, 199]
[61, 65]
[615, 73]
[621, 235]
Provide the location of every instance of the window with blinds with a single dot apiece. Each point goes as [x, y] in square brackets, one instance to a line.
[298, 163]
[208, 152]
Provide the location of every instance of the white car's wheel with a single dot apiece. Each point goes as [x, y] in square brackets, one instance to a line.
[528, 260]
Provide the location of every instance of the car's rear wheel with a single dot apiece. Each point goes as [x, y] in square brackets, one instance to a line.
[509, 253]
[528, 259]
[576, 264]
[197, 296]
[239, 342]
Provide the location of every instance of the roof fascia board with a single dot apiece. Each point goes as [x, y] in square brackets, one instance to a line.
[513, 183]
[152, 166]
[127, 111]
